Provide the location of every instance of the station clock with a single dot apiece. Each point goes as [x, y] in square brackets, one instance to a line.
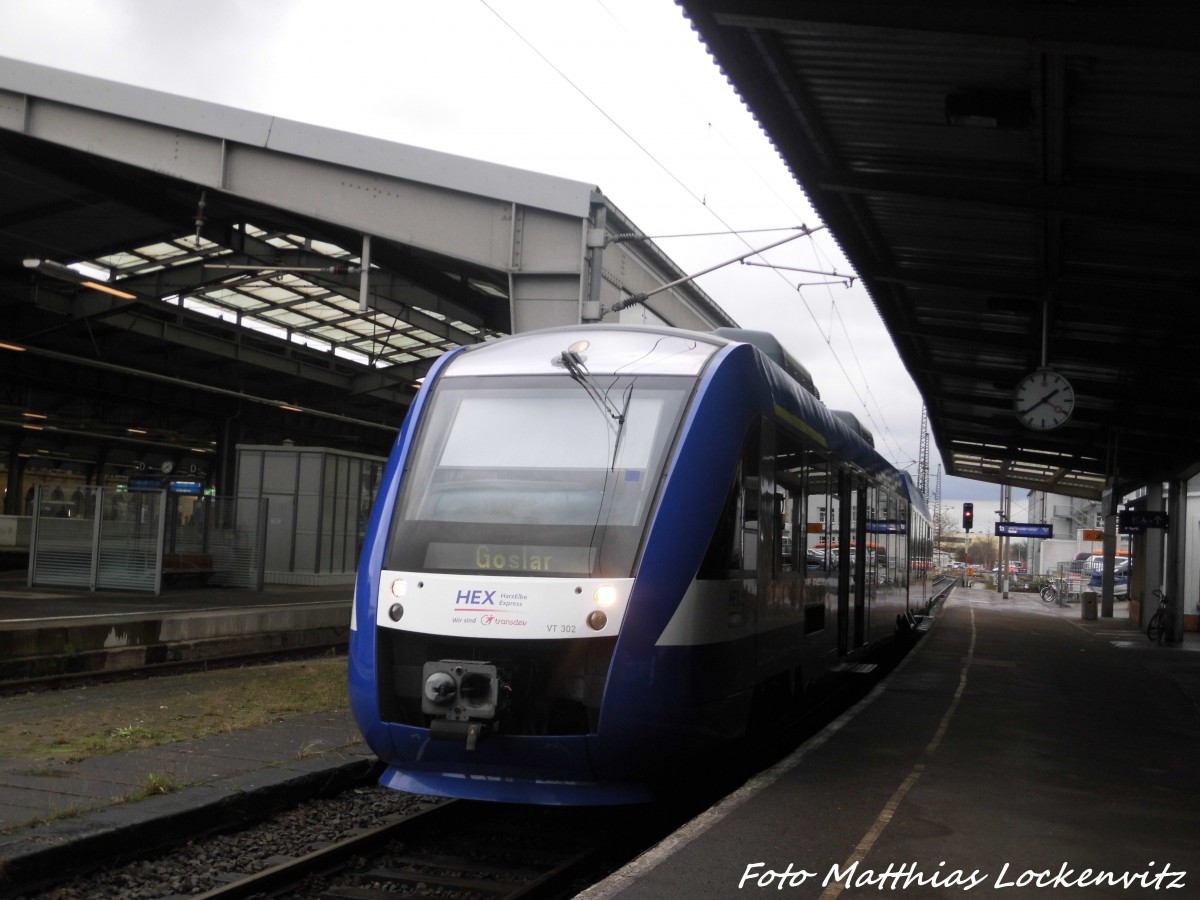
[1043, 400]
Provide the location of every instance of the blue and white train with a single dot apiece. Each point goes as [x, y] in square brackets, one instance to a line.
[599, 550]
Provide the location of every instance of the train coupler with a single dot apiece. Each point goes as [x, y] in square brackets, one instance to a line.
[462, 696]
[449, 730]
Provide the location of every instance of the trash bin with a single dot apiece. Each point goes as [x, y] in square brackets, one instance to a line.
[1090, 605]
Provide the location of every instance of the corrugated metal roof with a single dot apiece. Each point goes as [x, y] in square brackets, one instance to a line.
[1003, 176]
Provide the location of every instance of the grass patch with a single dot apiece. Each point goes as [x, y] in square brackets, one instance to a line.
[153, 783]
[96, 720]
[67, 812]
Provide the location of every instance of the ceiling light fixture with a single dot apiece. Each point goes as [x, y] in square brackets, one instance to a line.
[70, 274]
[96, 286]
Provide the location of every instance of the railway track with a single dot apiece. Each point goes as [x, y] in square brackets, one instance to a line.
[502, 852]
[458, 849]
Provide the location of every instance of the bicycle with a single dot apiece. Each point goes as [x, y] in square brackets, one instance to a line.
[1158, 626]
[1052, 590]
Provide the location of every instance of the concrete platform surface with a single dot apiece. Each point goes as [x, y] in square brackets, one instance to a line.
[52, 811]
[1018, 751]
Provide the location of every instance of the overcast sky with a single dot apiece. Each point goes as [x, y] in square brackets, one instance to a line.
[617, 93]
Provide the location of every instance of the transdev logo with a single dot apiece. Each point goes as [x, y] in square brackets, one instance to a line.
[502, 620]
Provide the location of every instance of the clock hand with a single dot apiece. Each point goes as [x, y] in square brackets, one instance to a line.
[1045, 399]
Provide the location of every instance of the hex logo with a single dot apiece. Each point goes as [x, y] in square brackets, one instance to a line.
[475, 598]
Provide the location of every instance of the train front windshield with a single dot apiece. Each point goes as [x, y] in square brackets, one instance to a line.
[535, 475]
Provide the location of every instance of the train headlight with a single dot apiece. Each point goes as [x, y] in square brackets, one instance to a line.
[605, 595]
[395, 612]
[399, 588]
[597, 620]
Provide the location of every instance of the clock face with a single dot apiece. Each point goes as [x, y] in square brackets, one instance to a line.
[167, 467]
[1043, 400]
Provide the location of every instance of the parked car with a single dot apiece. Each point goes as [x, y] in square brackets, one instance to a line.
[1121, 571]
[1095, 562]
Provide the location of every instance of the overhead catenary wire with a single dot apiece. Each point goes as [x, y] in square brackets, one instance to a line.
[884, 429]
[638, 298]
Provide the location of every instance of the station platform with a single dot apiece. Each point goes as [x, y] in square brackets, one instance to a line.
[53, 813]
[1017, 749]
[47, 632]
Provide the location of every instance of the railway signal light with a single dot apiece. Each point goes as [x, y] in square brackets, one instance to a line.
[968, 516]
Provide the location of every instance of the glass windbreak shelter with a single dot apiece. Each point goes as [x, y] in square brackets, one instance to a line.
[318, 503]
[142, 537]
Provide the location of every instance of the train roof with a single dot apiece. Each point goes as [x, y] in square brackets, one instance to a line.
[674, 351]
[913, 493]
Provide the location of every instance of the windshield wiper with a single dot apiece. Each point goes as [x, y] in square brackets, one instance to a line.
[573, 363]
[579, 373]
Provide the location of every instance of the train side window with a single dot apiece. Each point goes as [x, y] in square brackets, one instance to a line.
[790, 516]
[725, 549]
[733, 546]
[751, 487]
[821, 524]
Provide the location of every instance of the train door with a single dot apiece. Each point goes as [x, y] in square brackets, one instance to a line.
[788, 614]
[874, 557]
[733, 560]
[847, 590]
[821, 563]
[861, 579]
[889, 534]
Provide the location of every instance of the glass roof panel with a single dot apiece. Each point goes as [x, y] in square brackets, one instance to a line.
[327, 249]
[160, 251]
[335, 335]
[318, 310]
[269, 292]
[122, 260]
[234, 299]
[307, 306]
[287, 317]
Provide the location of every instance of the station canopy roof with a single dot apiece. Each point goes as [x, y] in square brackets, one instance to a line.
[176, 274]
[143, 313]
[1016, 184]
